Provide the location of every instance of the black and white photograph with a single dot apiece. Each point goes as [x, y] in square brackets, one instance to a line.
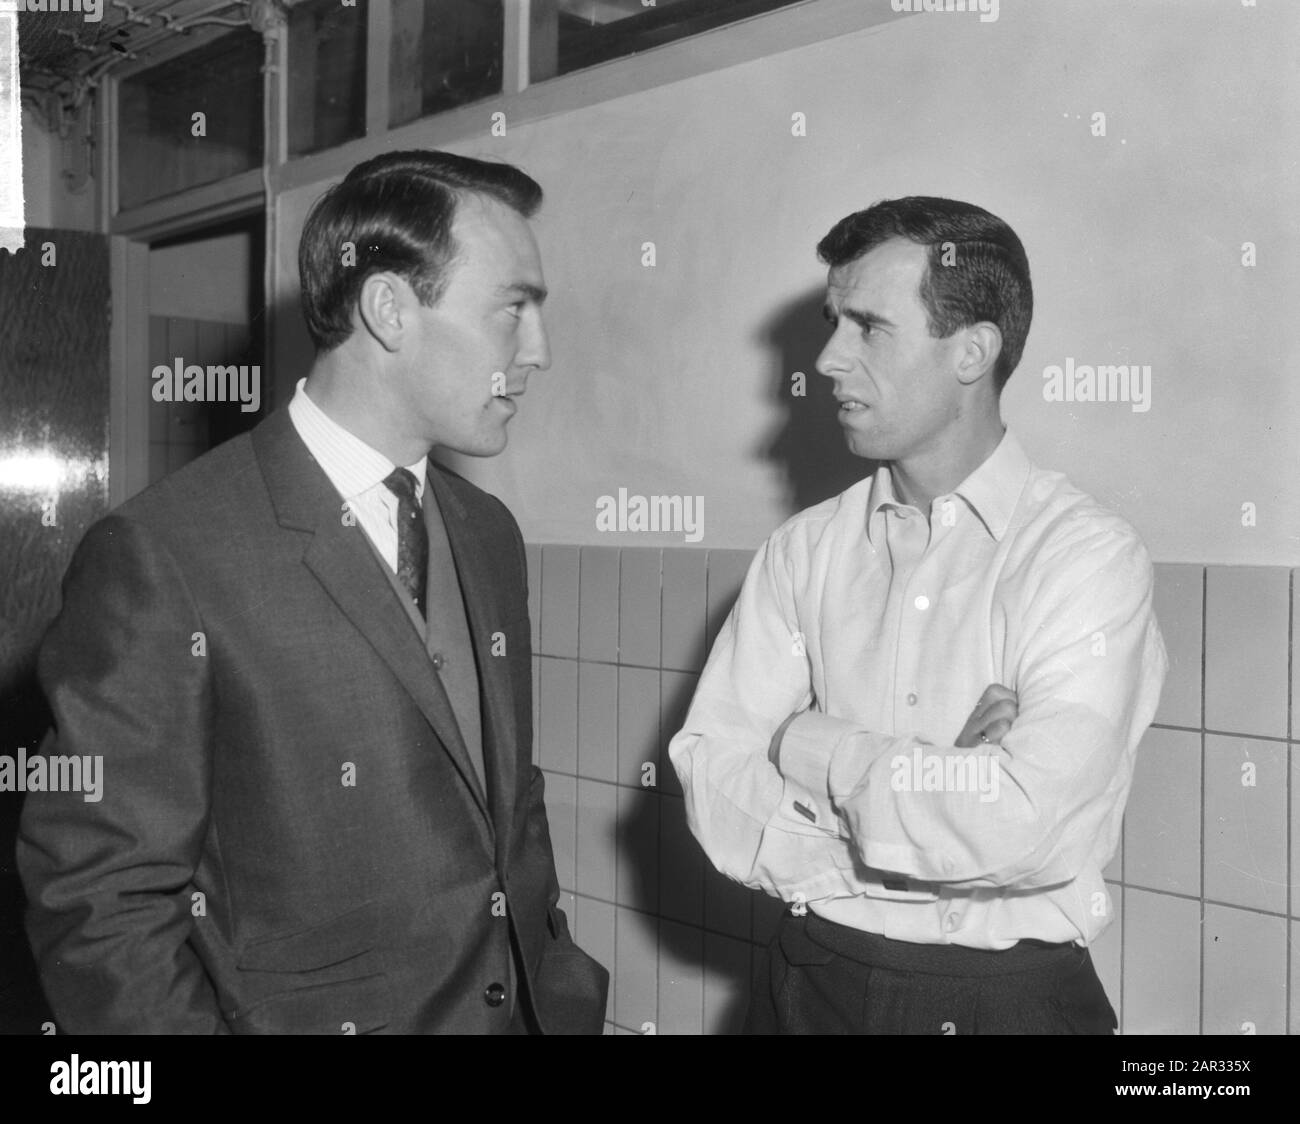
[650, 517]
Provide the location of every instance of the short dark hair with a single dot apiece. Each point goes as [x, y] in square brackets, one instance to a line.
[988, 278]
[396, 212]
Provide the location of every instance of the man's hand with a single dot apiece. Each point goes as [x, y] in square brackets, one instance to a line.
[992, 717]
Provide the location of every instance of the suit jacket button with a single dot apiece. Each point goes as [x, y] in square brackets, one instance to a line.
[495, 995]
[438, 661]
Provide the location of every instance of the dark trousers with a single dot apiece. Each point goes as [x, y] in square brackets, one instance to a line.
[826, 978]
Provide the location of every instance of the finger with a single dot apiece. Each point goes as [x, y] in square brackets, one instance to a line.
[991, 711]
[999, 712]
[993, 694]
[997, 731]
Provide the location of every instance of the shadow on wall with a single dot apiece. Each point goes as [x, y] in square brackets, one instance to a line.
[291, 354]
[809, 446]
[711, 932]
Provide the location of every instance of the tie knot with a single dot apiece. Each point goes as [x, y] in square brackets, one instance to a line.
[401, 482]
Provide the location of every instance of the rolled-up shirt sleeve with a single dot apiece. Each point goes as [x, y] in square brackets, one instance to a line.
[1087, 679]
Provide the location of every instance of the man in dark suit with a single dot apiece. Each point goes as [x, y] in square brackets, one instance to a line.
[305, 661]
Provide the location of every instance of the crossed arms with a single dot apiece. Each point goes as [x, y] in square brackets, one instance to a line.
[805, 812]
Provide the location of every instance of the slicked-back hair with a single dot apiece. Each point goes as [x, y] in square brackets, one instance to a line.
[393, 213]
[988, 278]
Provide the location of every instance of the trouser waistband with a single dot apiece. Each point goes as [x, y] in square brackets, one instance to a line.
[878, 951]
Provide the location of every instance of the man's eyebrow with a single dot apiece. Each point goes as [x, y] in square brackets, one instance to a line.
[524, 289]
[862, 319]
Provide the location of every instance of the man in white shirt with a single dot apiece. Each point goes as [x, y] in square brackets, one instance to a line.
[918, 724]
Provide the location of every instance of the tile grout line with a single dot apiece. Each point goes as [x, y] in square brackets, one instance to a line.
[661, 752]
[659, 834]
[1221, 903]
[1292, 737]
[750, 941]
[1290, 793]
[1222, 733]
[577, 721]
[618, 732]
[1176, 895]
[1205, 624]
[577, 698]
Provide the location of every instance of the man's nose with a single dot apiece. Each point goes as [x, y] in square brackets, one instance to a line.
[833, 359]
[536, 351]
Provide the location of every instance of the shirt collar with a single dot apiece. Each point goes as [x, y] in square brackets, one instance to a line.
[880, 495]
[991, 491]
[352, 466]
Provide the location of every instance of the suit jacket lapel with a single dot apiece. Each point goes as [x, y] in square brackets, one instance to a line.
[484, 608]
[342, 561]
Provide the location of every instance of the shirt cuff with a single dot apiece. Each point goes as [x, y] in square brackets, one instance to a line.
[804, 755]
[829, 756]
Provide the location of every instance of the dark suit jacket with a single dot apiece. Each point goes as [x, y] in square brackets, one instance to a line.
[232, 648]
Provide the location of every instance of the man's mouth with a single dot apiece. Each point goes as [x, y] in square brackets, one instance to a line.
[849, 405]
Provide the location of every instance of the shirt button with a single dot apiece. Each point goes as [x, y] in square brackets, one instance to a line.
[953, 923]
[438, 661]
[494, 995]
[922, 602]
[911, 700]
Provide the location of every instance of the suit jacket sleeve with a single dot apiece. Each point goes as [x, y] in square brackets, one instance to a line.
[109, 881]
[571, 988]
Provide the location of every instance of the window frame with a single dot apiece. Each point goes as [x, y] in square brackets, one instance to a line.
[529, 93]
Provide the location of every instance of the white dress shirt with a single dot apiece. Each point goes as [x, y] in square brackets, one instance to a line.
[356, 470]
[883, 626]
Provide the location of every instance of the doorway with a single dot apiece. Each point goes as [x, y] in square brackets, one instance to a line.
[206, 309]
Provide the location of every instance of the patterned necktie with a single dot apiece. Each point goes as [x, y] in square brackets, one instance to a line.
[412, 537]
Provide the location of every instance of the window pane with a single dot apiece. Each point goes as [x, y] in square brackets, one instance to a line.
[327, 75]
[159, 152]
[445, 53]
[592, 31]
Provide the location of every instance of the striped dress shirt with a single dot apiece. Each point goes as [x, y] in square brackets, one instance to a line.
[357, 472]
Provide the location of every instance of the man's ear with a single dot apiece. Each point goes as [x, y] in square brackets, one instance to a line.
[383, 309]
[980, 348]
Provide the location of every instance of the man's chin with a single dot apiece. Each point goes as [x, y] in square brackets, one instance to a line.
[479, 447]
[860, 446]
